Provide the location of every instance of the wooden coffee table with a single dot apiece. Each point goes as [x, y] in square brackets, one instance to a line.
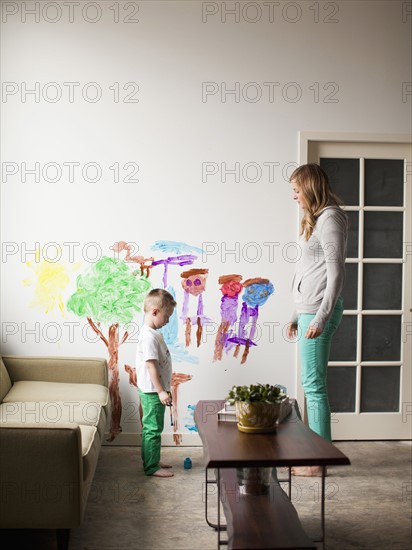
[226, 448]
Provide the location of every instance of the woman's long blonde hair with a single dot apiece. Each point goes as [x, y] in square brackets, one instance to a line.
[317, 194]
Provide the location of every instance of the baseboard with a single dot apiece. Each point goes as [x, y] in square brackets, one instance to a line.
[135, 440]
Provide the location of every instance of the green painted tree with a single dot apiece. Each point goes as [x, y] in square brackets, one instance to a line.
[109, 293]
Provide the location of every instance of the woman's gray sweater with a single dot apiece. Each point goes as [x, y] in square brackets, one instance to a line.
[320, 272]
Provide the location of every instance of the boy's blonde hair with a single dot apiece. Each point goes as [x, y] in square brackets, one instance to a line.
[158, 298]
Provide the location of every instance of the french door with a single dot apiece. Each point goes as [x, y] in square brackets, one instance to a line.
[369, 373]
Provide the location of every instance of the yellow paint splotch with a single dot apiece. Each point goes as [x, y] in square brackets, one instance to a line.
[50, 280]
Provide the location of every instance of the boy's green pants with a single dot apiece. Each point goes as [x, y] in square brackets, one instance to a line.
[314, 356]
[153, 422]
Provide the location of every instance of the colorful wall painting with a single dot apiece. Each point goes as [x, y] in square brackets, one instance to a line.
[109, 293]
[169, 331]
[183, 256]
[194, 284]
[231, 288]
[257, 292]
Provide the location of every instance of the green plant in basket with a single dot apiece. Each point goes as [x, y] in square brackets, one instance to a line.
[257, 407]
[264, 393]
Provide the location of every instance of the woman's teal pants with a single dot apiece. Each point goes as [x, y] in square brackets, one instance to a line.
[314, 356]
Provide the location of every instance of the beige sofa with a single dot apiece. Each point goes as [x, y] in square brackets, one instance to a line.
[53, 413]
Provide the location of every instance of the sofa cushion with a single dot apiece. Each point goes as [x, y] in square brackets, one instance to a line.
[88, 435]
[79, 412]
[5, 382]
[56, 391]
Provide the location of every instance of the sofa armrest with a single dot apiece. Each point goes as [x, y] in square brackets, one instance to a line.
[81, 370]
[41, 475]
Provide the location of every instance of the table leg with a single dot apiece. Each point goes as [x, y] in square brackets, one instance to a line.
[322, 509]
[323, 505]
[290, 482]
[218, 509]
[207, 483]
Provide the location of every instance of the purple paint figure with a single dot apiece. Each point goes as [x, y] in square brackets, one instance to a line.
[231, 288]
[257, 291]
[183, 259]
[194, 283]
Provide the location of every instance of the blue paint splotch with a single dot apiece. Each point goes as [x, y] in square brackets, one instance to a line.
[189, 419]
[175, 247]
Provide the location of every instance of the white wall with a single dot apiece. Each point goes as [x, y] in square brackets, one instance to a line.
[328, 66]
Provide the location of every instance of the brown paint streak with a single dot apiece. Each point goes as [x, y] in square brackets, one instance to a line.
[256, 280]
[245, 353]
[141, 260]
[188, 331]
[236, 352]
[177, 379]
[114, 390]
[112, 343]
[192, 272]
[131, 371]
[223, 279]
[224, 327]
[198, 332]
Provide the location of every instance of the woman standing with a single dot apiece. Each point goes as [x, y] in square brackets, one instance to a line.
[317, 286]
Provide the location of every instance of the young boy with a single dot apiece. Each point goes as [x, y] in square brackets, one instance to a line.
[154, 373]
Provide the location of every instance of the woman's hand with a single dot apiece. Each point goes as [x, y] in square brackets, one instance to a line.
[313, 332]
[292, 331]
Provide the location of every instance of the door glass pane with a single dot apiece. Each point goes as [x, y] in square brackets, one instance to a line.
[382, 286]
[381, 338]
[353, 234]
[383, 182]
[350, 290]
[344, 178]
[383, 234]
[380, 389]
[342, 388]
[344, 340]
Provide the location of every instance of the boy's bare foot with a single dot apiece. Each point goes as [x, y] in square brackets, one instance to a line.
[163, 473]
[308, 471]
[163, 465]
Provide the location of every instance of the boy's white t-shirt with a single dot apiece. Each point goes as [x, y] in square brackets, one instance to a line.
[152, 346]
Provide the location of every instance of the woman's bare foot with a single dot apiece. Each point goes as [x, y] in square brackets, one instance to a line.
[163, 465]
[308, 471]
[163, 473]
